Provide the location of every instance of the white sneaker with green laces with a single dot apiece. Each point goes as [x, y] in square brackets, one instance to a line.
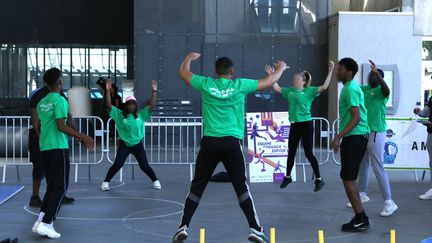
[257, 236]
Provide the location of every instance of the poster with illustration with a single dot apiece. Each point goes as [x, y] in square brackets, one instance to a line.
[267, 135]
[405, 145]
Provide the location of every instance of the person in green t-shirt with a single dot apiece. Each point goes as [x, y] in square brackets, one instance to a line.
[52, 112]
[300, 97]
[353, 131]
[130, 128]
[223, 124]
[376, 97]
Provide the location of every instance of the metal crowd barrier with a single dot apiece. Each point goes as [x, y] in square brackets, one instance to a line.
[335, 130]
[167, 141]
[14, 142]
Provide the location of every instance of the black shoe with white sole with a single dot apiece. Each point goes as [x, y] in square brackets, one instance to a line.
[181, 235]
[357, 224]
[319, 184]
[285, 182]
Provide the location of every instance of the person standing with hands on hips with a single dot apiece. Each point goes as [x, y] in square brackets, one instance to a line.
[52, 112]
[352, 139]
[300, 98]
[130, 127]
[376, 97]
[427, 113]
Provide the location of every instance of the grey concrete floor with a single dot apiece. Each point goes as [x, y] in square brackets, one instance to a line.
[133, 212]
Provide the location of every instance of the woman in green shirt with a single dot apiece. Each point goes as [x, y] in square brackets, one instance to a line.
[300, 97]
[130, 128]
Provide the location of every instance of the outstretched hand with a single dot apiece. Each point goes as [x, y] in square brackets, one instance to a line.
[108, 84]
[331, 65]
[281, 65]
[193, 56]
[269, 69]
[154, 85]
[374, 68]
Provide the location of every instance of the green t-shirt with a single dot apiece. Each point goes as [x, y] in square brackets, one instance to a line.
[299, 102]
[130, 130]
[352, 96]
[52, 107]
[375, 103]
[223, 104]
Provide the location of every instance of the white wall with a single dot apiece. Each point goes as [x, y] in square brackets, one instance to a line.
[386, 38]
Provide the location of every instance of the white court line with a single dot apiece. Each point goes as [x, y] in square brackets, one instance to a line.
[82, 189]
[13, 194]
[117, 219]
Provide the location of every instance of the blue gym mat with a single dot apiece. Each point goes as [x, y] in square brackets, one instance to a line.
[428, 240]
[7, 192]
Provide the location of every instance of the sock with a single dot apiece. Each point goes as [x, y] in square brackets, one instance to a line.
[289, 177]
[388, 202]
[41, 215]
[318, 179]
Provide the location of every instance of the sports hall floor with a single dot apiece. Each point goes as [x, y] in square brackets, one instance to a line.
[133, 212]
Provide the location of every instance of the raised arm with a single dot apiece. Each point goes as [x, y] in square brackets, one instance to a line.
[272, 78]
[422, 113]
[108, 86]
[277, 88]
[384, 87]
[153, 97]
[185, 72]
[326, 83]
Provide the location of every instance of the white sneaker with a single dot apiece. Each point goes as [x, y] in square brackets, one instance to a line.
[35, 226]
[48, 231]
[427, 195]
[157, 185]
[363, 197]
[389, 208]
[105, 186]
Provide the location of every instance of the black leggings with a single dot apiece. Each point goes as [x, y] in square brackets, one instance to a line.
[230, 152]
[301, 130]
[122, 153]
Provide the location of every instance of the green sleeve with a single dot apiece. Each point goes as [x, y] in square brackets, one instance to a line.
[61, 109]
[285, 92]
[144, 113]
[378, 91]
[197, 82]
[116, 114]
[248, 86]
[353, 98]
[312, 91]
[364, 87]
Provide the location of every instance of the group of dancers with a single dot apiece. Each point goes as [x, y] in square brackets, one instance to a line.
[360, 137]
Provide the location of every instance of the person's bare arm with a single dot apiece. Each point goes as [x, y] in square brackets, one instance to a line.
[355, 118]
[35, 121]
[269, 70]
[70, 121]
[422, 113]
[272, 78]
[62, 127]
[108, 86]
[326, 84]
[153, 97]
[384, 87]
[277, 88]
[185, 72]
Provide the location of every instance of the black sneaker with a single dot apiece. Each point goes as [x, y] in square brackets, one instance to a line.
[357, 224]
[319, 184]
[35, 201]
[181, 235]
[285, 182]
[67, 200]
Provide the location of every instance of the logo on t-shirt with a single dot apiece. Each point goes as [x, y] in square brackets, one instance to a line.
[46, 107]
[221, 93]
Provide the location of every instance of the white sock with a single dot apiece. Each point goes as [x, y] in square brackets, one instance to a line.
[388, 202]
[41, 215]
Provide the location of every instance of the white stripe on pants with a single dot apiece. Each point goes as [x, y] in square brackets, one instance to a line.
[374, 157]
[429, 149]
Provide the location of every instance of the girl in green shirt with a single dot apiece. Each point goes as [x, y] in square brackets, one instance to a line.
[300, 97]
[130, 128]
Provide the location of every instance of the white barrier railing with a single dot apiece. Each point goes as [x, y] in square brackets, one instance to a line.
[167, 141]
[14, 142]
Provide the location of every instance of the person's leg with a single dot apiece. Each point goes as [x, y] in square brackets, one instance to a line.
[59, 159]
[233, 160]
[429, 149]
[140, 154]
[122, 153]
[376, 153]
[363, 177]
[307, 135]
[293, 142]
[206, 162]
[50, 186]
[38, 173]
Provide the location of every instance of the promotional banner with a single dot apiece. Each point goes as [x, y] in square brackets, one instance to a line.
[405, 145]
[267, 136]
